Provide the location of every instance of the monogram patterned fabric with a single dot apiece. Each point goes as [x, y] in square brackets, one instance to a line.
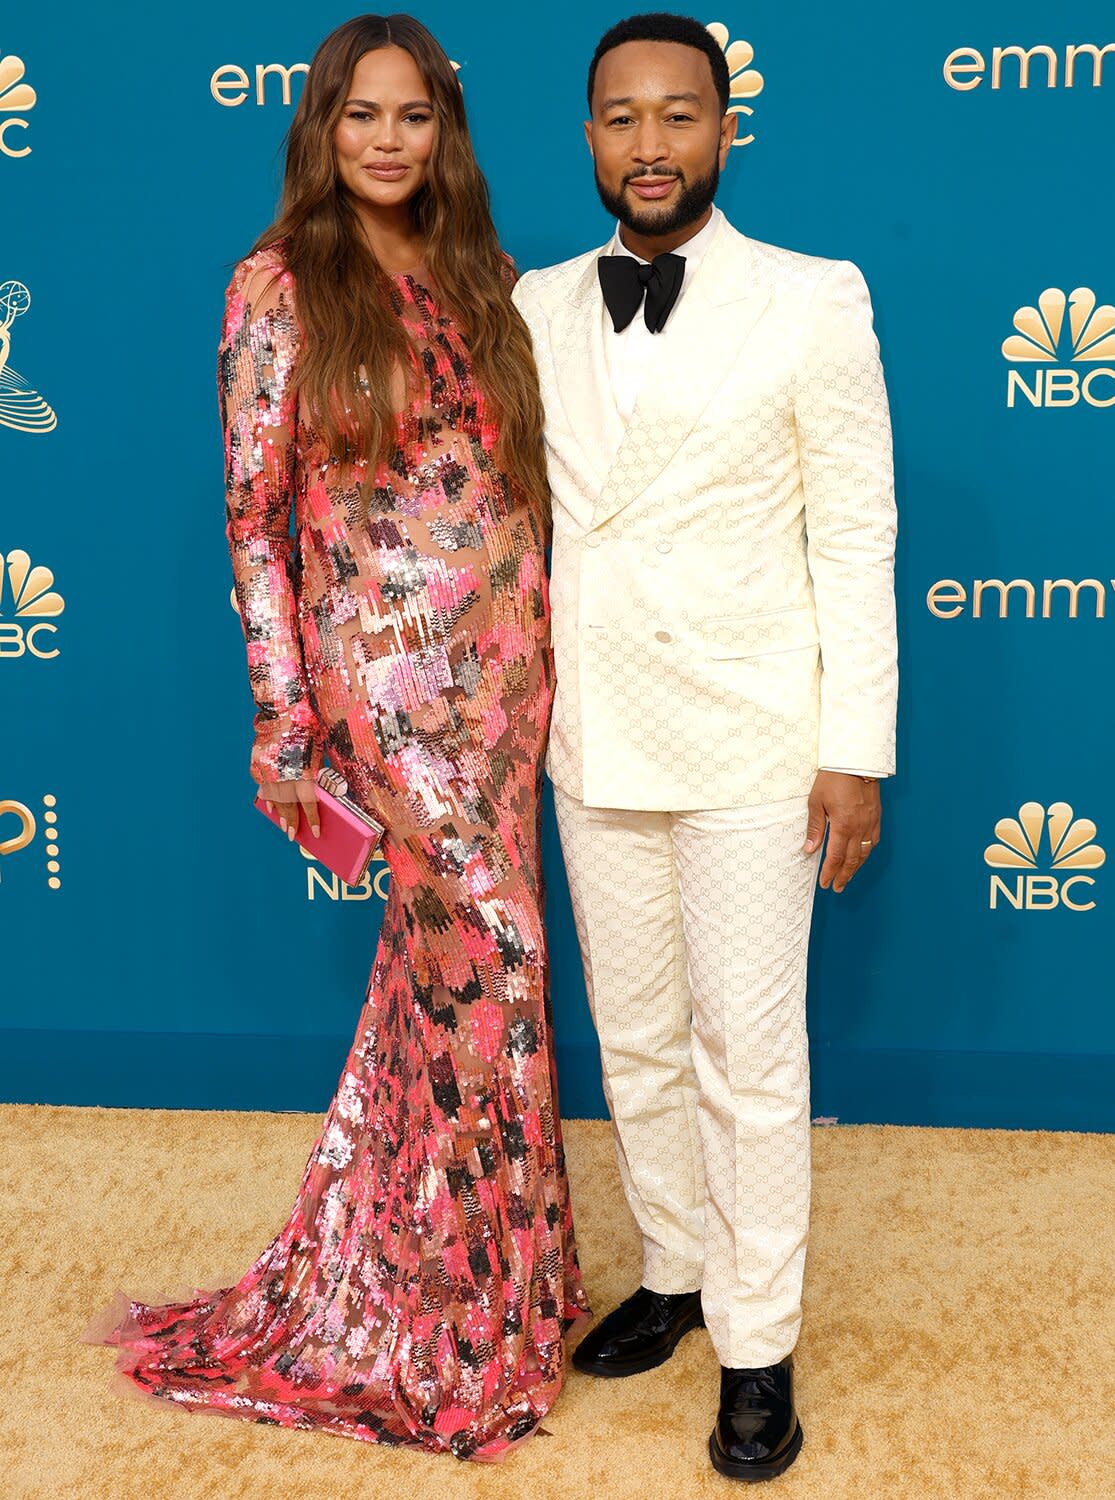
[420, 1289]
[722, 573]
[694, 930]
[724, 626]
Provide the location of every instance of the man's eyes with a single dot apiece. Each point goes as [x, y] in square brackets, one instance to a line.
[673, 119]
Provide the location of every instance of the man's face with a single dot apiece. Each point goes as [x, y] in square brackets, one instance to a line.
[657, 135]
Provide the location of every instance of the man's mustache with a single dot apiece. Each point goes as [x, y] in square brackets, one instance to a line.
[652, 172]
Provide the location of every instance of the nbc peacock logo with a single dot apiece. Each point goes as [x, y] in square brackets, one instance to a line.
[1052, 837]
[1055, 345]
[16, 98]
[28, 594]
[21, 406]
[324, 883]
[745, 81]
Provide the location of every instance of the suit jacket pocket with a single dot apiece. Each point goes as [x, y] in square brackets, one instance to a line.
[759, 635]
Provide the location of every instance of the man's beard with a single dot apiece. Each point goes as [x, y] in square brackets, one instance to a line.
[692, 201]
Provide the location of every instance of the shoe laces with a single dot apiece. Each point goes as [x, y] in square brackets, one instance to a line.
[756, 1384]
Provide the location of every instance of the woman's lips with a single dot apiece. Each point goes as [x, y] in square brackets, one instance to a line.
[385, 172]
[652, 187]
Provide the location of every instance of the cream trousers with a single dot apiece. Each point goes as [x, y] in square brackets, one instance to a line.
[694, 931]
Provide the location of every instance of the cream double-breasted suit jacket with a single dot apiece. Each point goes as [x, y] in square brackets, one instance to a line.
[722, 577]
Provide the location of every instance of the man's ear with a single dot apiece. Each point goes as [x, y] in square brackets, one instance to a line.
[729, 125]
[588, 139]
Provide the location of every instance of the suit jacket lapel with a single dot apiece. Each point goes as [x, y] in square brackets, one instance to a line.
[581, 374]
[705, 342]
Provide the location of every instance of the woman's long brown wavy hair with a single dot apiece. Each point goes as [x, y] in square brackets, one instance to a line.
[343, 307]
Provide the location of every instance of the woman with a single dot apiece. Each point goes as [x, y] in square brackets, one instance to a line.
[375, 375]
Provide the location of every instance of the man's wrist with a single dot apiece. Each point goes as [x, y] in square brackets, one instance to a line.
[861, 775]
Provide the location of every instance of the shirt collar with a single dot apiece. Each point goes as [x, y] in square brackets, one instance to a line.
[693, 250]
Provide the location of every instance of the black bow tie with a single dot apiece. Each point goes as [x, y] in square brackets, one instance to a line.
[624, 280]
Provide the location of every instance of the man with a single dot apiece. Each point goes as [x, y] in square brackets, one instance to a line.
[719, 451]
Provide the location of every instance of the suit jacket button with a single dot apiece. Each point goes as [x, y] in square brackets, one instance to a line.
[663, 635]
[665, 546]
[593, 539]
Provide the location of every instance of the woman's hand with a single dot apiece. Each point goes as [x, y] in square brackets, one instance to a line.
[292, 799]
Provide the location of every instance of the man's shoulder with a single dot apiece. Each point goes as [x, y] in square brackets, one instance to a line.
[791, 269]
[550, 284]
[796, 273]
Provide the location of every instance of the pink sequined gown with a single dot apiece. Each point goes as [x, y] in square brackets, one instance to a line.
[420, 1289]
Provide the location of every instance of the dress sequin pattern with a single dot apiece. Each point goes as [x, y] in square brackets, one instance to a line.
[421, 1287]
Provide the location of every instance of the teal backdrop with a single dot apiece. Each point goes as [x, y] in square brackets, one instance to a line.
[162, 944]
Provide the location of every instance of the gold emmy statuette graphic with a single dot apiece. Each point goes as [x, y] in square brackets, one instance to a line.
[16, 97]
[1021, 845]
[34, 603]
[1042, 339]
[746, 82]
[21, 406]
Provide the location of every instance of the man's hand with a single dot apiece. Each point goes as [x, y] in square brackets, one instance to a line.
[853, 811]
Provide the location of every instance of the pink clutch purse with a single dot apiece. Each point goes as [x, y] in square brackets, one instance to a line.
[348, 837]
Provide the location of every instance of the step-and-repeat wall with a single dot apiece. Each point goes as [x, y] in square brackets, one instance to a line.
[161, 942]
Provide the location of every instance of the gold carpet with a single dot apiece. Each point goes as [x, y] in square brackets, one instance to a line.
[957, 1343]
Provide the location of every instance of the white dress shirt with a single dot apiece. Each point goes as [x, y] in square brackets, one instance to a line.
[629, 352]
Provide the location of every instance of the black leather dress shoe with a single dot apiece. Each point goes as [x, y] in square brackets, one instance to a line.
[757, 1434]
[640, 1333]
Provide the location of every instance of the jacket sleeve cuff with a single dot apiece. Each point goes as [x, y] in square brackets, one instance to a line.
[856, 771]
[294, 754]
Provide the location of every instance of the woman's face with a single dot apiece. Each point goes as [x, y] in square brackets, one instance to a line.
[385, 136]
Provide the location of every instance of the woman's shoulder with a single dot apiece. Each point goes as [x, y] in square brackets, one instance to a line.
[262, 279]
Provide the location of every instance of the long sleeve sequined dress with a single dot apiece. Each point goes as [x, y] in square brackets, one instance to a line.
[420, 1289]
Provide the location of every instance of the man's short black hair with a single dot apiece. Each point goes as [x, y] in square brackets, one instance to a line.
[663, 26]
